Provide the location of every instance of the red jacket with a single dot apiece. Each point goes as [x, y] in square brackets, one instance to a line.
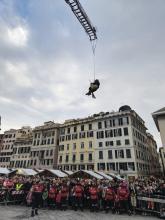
[38, 187]
[78, 191]
[109, 194]
[52, 192]
[93, 192]
[123, 193]
[64, 192]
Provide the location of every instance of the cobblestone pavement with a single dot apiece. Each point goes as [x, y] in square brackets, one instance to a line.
[23, 213]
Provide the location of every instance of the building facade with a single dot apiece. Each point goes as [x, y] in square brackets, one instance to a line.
[9, 139]
[21, 152]
[112, 142]
[44, 148]
[76, 144]
[159, 118]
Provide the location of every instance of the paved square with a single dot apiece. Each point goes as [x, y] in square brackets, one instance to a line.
[23, 213]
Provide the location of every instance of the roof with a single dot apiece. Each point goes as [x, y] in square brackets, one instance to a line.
[58, 173]
[4, 171]
[115, 176]
[156, 114]
[26, 172]
[104, 175]
[92, 173]
[68, 172]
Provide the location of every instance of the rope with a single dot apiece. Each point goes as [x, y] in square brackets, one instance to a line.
[93, 45]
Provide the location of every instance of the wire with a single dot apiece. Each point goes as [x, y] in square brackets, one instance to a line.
[93, 45]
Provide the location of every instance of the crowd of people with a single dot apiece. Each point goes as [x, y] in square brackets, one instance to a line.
[117, 196]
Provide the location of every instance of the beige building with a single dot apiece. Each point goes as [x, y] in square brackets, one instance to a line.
[76, 144]
[9, 139]
[113, 142]
[154, 155]
[1, 141]
[159, 118]
[21, 152]
[45, 146]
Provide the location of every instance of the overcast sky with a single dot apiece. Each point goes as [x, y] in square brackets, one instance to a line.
[46, 60]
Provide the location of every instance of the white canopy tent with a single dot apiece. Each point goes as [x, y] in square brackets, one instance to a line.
[26, 172]
[105, 175]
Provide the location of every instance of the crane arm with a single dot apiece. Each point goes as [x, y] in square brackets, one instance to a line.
[83, 18]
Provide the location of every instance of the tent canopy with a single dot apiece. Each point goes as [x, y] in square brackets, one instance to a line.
[86, 174]
[26, 172]
[53, 173]
[104, 175]
[4, 171]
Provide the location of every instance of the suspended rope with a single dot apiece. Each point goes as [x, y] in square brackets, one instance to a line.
[93, 45]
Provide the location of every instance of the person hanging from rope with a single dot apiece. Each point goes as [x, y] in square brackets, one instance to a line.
[93, 88]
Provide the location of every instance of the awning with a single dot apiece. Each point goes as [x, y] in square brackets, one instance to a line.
[115, 176]
[26, 172]
[105, 175]
[67, 172]
[86, 174]
[4, 171]
[58, 173]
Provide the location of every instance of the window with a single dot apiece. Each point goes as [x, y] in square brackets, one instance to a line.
[127, 142]
[119, 132]
[131, 166]
[48, 142]
[75, 129]
[60, 159]
[81, 157]
[67, 158]
[51, 152]
[128, 153]
[82, 145]
[74, 158]
[118, 142]
[100, 134]
[105, 124]
[100, 154]
[121, 153]
[116, 154]
[52, 141]
[47, 152]
[90, 127]
[67, 147]
[125, 131]
[109, 143]
[123, 166]
[99, 125]
[100, 144]
[74, 146]
[68, 130]
[120, 121]
[90, 134]
[82, 127]
[38, 142]
[110, 156]
[90, 144]
[90, 156]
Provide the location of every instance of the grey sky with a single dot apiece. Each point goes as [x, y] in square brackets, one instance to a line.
[46, 60]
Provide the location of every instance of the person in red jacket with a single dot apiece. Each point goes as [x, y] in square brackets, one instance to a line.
[52, 195]
[64, 195]
[123, 195]
[109, 197]
[78, 192]
[93, 191]
[37, 190]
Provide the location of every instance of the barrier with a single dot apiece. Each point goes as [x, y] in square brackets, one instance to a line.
[11, 196]
[154, 204]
